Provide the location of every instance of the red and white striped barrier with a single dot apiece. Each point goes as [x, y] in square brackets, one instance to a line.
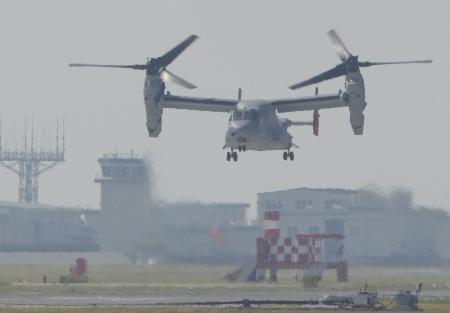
[272, 224]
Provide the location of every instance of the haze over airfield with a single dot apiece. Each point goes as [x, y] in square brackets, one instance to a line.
[260, 46]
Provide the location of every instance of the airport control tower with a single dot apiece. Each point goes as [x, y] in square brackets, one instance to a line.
[125, 202]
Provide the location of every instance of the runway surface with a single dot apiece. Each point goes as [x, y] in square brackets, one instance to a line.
[154, 298]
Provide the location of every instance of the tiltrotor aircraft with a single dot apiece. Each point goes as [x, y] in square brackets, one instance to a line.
[254, 124]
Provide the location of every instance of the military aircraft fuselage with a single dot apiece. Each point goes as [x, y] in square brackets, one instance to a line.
[254, 125]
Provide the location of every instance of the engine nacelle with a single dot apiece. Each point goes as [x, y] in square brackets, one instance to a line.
[153, 92]
[355, 97]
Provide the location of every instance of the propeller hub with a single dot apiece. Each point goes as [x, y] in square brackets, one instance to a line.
[352, 64]
[153, 66]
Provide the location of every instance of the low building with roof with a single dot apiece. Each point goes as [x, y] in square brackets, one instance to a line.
[378, 228]
[48, 228]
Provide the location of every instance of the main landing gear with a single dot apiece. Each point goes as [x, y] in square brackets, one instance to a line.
[232, 155]
[288, 154]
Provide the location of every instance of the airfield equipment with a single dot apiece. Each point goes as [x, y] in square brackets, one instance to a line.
[30, 160]
[364, 299]
[407, 300]
[78, 273]
[301, 252]
[254, 124]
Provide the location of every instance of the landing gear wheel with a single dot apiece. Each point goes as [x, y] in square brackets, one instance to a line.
[291, 156]
[244, 148]
[285, 155]
[235, 156]
[240, 148]
[228, 156]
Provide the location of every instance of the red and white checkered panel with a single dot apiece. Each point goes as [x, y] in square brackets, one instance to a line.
[293, 250]
[313, 245]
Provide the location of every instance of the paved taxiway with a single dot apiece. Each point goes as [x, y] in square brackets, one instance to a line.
[153, 298]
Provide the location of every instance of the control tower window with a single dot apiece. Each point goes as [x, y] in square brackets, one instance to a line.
[107, 171]
[125, 171]
[137, 172]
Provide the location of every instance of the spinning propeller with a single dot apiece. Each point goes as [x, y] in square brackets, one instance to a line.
[350, 63]
[157, 66]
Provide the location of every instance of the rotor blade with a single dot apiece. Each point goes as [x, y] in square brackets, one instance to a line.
[168, 58]
[171, 77]
[337, 71]
[339, 46]
[134, 67]
[366, 64]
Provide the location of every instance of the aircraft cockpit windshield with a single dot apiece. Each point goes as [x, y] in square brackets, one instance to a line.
[249, 115]
[237, 115]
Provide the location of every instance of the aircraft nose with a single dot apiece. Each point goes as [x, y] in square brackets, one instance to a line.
[240, 131]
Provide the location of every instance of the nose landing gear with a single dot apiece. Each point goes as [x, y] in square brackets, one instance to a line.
[242, 148]
[288, 154]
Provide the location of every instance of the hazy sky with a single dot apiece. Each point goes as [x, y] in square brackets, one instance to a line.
[261, 46]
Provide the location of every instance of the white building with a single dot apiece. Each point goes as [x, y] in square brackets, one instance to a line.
[377, 228]
[40, 227]
[133, 223]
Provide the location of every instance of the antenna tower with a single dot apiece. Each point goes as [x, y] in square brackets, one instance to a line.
[30, 160]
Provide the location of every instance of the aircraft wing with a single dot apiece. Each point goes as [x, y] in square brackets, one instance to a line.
[199, 104]
[309, 103]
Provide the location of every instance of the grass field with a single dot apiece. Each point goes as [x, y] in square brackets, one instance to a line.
[168, 277]
[142, 279]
